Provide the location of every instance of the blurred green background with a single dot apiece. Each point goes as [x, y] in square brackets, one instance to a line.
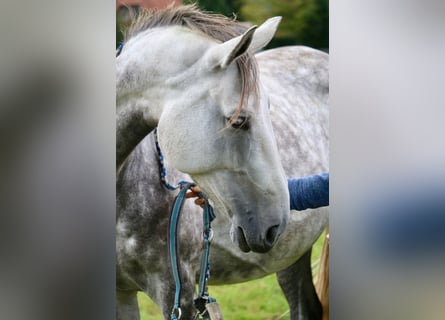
[305, 22]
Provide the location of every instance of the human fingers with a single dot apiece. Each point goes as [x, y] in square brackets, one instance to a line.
[195, 189]
[191, 194]
[200, 201]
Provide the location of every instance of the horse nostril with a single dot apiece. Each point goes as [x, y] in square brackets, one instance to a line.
[242, 241]
[271, 234]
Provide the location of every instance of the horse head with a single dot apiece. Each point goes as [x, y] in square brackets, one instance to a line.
[213, 121]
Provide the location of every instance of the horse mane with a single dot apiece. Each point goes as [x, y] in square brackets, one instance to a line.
[215, 26]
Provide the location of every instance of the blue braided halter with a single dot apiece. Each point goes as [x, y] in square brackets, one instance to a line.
[119, 49]
[208, 216]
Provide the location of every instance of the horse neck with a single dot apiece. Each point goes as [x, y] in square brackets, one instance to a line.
[138, 110]
[145, 78]
[131, 128]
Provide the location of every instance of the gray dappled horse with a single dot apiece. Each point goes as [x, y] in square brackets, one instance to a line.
[193, 75]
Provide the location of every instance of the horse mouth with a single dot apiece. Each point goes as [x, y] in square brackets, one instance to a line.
[242, 242]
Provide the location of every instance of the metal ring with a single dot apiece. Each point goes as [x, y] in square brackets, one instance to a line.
[178, 315]
[209, 234]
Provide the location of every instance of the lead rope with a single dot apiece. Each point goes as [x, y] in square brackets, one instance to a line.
[207, 306]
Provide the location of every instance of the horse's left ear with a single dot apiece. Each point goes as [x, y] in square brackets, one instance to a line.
[253, 39]
[224, 54]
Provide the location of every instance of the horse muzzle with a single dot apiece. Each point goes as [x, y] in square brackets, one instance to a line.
[251, 238]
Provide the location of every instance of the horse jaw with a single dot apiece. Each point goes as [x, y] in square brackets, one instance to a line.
[255, 214]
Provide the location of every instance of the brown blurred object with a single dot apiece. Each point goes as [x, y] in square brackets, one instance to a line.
[126, 9]
[322, 285]
[147, 3]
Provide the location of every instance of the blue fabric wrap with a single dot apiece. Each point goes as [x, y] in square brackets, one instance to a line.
[309, 192]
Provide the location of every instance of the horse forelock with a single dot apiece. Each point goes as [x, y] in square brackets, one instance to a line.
[214, 26]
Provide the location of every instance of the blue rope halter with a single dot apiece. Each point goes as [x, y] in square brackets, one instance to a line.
[208, 216]
[119, 49]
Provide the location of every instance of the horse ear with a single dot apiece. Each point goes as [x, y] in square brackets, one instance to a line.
[225, 53]
[264, 34]
[253, 40]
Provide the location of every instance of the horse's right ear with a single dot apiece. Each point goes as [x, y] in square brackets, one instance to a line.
[224, 54]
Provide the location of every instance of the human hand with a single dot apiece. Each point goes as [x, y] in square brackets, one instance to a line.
[195, 193]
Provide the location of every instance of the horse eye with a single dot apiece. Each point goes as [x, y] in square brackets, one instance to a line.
[240, 123]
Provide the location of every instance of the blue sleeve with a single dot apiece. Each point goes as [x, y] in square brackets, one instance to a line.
[309, 192]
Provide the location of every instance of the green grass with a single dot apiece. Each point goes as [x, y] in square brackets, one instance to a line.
[260, 299]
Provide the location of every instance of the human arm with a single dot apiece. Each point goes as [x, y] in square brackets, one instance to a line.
[309, 192]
